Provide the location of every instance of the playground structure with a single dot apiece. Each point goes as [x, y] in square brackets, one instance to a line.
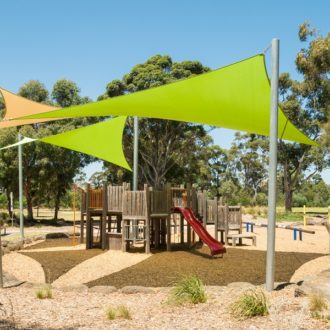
[154, 217]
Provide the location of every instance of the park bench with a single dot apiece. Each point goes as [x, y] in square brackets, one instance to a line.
[235, 237]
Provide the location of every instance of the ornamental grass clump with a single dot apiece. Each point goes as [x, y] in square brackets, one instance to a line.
[44, 293]
[318, 307]
[317, 303]
[120, 312]
[189, 289]
[250, 304]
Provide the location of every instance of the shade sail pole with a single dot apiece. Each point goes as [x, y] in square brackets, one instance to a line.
[270, 262]
[20, 188]
[136, 153]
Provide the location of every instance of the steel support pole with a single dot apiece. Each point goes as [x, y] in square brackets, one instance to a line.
[273, 132]
[136, 153]
[20, 188]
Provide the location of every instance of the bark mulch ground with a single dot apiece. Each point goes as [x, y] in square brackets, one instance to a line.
[237, 265]
[57, 263]
[58, 242]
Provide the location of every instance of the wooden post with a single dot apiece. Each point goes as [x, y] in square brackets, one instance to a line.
[305, 220]
[188, 234]
[89, 232]
[168, 219]
[82, 220]
[215, 217]
[226, 214]
[104, 218]
[168, 229]
[147, 220]
[204, 208]
[181, 229]
[123, 241]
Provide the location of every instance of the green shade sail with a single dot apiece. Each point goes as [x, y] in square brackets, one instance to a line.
[235, 97]
[102, 140]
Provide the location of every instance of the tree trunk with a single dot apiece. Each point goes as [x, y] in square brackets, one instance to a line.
[29, 208]
[288, 200]
[57, 205]
[28, 197]
[288, 191]
[8, 205]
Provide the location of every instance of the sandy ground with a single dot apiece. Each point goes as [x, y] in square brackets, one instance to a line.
[87, 310]
[23, 268]
[312, 243]
[99, 266]
[311, 268]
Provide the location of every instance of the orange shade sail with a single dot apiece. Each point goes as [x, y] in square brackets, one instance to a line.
[17, 106]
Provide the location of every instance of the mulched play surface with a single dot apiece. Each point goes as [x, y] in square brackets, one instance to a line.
[237, 265]
[50, 243]
[57, 263]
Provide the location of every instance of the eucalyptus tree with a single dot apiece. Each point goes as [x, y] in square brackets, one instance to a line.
[168, 150]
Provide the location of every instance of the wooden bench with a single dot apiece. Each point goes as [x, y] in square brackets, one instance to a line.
[235, 237]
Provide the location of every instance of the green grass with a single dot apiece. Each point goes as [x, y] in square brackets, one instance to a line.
[289, 216]
[120, 312]
[320, 210]
[189, 289]
[44, 293]
[250, 304]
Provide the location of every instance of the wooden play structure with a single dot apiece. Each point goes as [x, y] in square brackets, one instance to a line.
[114, 217]
[106, 205]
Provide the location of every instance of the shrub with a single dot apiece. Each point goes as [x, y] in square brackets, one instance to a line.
[44, 293]
[262, 199]
[250, 304]
[120, 312]
[298, 200]
[189, 289]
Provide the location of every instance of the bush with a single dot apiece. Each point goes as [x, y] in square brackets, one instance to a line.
[4, 216]
[262, 199]
[120, 312]
[44, 293]
[189, 289]
[298, 200]
[250, 304]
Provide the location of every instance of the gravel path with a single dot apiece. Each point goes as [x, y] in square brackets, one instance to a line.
[75, 310]
[23, 267]
[99, 266]
[311, 268]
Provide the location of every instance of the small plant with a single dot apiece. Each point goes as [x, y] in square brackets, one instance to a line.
[111, 313]
[317, 306]
[189, 289]
[124, 313]
[44, 293]
[251, 303]
[317, 303]
[120, 312]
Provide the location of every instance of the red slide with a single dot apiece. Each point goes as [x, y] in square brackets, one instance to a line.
[215, 246]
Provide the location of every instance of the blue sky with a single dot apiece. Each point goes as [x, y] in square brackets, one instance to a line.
[93, 42]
